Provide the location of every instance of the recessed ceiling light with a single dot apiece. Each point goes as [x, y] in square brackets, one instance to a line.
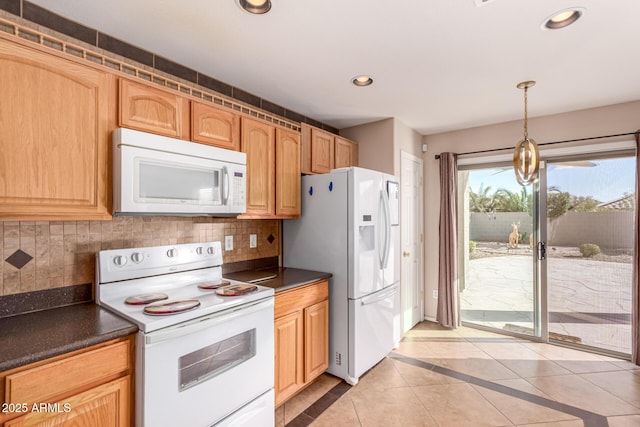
[256, 6]
[563, 18]
[362, 80]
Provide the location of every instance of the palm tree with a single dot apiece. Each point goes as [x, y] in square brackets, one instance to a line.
[482, 201]
[511, 201]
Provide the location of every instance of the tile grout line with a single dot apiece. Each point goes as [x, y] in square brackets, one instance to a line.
[590, 419]
[323, 403]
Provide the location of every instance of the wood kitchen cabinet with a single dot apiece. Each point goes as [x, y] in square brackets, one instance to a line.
[258, 142]
[323, 151]
[154, 110]
[92, 386]
[287, 174]
[56, 119]
[346, 153]
[301, 328]
[273, 170]
[214, 126]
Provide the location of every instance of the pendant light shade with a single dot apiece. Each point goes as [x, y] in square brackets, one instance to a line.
[526, 158]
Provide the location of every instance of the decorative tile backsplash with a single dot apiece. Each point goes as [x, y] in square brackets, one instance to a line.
[37, 255]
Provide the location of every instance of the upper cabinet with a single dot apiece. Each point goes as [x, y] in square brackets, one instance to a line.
[287, 174]
[258, 142]
[273, 170]
[346, 153]
[322, 146]
[166, 113]
[153, 110]
[323, 151]
[213, 126]
[55, 127]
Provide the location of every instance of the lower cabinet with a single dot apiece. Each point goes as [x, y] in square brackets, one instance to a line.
[301, 337]
[91, 387]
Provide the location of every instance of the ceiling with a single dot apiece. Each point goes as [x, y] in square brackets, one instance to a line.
[437, 65]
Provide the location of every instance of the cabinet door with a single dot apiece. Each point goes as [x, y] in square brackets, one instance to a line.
[287, 173]
[54, 135]
[321, 151]
[153, 110]
[258, 142]
[316, 340]
[288, 337]
[345, 153]
[213, 126]
[106, 405]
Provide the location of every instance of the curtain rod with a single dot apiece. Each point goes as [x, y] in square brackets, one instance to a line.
[437, 156]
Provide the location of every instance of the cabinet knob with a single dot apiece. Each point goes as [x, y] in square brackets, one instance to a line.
[405, 254]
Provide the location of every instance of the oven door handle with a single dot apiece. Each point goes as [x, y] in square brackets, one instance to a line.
[208, 321]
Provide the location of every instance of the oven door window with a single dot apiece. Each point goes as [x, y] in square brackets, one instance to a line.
[216, 358]
[165, 182]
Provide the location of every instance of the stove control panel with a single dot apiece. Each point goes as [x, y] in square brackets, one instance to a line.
[123, 264]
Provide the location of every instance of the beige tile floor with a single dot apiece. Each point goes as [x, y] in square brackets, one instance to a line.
[467, 377]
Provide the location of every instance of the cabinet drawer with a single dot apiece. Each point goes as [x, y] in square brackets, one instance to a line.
[296, 299]
[44, 382]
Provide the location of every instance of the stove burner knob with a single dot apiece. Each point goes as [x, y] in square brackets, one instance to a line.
[199, 250]
[137, 257]
[171, 253]
[120, 260]
[211, 250]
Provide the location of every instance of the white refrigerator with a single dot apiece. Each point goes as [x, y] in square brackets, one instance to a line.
[350, 227]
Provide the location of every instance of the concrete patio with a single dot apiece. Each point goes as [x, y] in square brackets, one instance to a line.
[589, 301]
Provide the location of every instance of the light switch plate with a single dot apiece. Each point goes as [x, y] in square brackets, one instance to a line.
[253, 240]
[228, 243]
[435, 294]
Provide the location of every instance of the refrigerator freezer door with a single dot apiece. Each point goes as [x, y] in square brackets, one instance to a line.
[366, 216]
[373, 321]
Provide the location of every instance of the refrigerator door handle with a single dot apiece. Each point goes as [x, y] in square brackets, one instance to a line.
[387, 229]
[372, 299]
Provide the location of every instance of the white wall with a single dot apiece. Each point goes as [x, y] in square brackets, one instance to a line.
[376, 144]
[381, 142]
[613, 119]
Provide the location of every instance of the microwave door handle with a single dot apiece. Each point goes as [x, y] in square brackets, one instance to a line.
[225, 186]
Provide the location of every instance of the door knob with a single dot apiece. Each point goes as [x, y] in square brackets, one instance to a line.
[405, 254]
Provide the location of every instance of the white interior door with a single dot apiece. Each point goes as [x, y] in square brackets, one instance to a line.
[412, 241]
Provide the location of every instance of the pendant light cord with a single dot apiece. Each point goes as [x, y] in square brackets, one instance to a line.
[526, 127]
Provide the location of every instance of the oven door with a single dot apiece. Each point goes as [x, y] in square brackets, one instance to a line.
[199, 372]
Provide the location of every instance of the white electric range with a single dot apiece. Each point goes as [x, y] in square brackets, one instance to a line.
[204, 351]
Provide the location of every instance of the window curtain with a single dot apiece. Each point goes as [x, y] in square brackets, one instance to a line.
[635, 293]
[448, 306]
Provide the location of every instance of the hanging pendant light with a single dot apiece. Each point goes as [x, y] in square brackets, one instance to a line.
[526, 158]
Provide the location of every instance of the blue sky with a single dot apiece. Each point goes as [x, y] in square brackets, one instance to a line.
[609, 179]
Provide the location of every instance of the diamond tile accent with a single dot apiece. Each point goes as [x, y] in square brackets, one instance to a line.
[270, 239]
[19, 259]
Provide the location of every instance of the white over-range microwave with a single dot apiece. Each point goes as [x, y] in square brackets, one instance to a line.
[157, 175]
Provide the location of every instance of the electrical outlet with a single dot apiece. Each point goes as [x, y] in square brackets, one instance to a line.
[228, 243]
[435, 294]
[253, 240]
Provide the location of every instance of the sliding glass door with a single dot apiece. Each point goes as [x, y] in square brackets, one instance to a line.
[553, 260]
[590, 211]
[497, 263]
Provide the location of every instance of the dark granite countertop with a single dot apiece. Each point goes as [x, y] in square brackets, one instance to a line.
[285, 277]
[36, 336]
